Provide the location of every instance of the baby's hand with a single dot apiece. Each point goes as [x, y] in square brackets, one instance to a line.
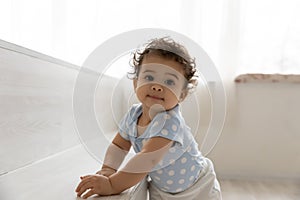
[96, 184]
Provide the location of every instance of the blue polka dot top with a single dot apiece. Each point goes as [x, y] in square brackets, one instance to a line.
[181, 165]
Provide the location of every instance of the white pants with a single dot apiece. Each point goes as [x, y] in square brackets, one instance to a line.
[206, 188]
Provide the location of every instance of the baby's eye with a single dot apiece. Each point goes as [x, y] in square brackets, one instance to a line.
[169, 82]
[149, 78]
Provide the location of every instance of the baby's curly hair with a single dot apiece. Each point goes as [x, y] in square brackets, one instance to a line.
[167, 48]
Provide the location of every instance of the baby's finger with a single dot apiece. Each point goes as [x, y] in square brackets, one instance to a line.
[84, 177]
[84, 188]
[88, 194]
[81, 184]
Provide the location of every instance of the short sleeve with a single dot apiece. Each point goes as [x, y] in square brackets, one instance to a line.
[123, 127]
[126, 125]
[167, 126]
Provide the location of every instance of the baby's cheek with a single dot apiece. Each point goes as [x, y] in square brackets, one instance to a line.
[175, 92]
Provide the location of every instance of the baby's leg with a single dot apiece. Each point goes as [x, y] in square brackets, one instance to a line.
[139, 192]
[155, 193]
[206, 188]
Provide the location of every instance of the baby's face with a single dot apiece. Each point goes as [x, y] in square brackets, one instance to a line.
[160, 81]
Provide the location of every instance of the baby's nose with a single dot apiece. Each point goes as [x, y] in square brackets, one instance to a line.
[157, 88]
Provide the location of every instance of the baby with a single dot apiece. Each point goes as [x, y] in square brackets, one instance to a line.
[167, 154]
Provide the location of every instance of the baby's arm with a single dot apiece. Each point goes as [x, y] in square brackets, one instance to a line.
[140, 165]
[133, 172]
[114, 156]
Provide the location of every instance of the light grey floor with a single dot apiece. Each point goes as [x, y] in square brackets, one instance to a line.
[260, 190]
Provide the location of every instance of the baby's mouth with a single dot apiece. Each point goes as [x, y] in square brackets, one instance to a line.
[155, 97]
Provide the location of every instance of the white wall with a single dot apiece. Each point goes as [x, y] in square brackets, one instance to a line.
[262, 132]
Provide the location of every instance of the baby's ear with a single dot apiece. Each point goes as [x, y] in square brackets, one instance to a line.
[183, 94]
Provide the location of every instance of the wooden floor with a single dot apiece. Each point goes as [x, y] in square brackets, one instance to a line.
[260, 190]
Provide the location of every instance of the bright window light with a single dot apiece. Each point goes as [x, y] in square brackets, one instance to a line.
[249, 36]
